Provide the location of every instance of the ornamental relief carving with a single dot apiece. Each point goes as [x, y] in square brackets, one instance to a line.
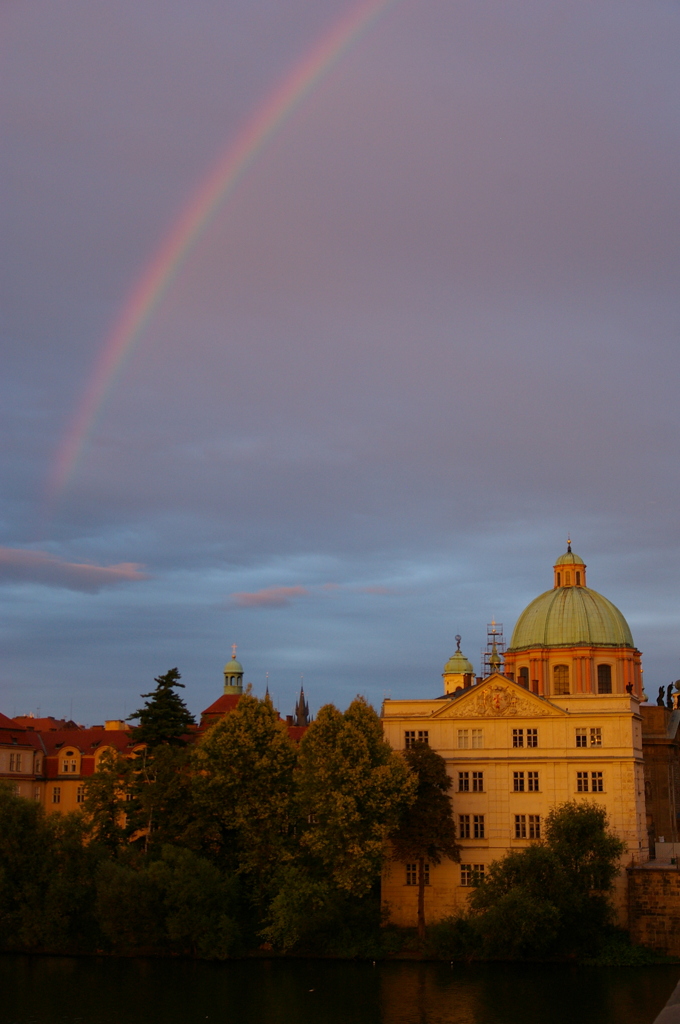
[501, 702]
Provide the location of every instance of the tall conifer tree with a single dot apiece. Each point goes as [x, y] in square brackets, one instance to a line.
[164, 718]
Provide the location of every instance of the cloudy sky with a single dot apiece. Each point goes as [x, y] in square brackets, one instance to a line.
[433, 329]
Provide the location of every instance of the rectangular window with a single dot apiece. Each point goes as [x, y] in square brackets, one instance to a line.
[520, 826]
[464, 826]
[532, 737]
[534, 826]
[532, 782]
[412, 874]
[596, 782]
[409, 738]
[518, 782]
[15, 762]
[478, 782]
[478, 826]
[477, 739]
[423, 737]
[471, 874]
[56, 794]
[36, 793]
[463, 739]
[80, 795]
[596, 737]
[518, 737]
[463, 782]
[582, 782]
[604, 679]
[581, 738]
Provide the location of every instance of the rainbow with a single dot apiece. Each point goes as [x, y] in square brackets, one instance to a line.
[162, 269]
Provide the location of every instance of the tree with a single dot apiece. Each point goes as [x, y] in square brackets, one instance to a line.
[579, 836]
[555, 892]
[427, 831]
[107, 803]
[243, 788]
[161, 791]
[352, 791]
[164, 718]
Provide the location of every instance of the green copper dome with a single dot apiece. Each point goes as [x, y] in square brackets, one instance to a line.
[233, 667]
[458, 663]
[569, 616]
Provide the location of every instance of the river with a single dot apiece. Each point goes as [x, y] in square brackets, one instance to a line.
[63, 990]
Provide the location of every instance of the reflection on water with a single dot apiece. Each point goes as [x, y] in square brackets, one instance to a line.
[60, 990]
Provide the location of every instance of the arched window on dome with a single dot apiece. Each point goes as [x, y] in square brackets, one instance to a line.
[578, 579]
[524, 677]
[567, 579]
[559, 579]
[604, 679]
[560, 680]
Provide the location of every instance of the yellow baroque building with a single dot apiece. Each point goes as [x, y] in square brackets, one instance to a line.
[561, 721]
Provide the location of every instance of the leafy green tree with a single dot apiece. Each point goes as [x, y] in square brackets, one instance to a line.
[23, 841]
[243, 790]
[553, 894]
[161, 793]
[352, 791]
[175, 903]
[164, 718]
[69, 923]
[108, 802]
[580, 837]
[47, 872]
[427, 831]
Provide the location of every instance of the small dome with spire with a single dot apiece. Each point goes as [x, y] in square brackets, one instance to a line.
[458, 663]
[458, 671]
[233, 674]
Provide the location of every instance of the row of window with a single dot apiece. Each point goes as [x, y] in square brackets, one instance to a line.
[470, 874]
[560, 679]
[56, 794]
[471, 826]
[473, 739]
[528, 781]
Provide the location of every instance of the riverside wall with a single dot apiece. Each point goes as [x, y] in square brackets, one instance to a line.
[654, 906]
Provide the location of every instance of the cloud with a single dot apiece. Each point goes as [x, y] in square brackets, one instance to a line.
[269, 597]
[377, 590]
[25, 566]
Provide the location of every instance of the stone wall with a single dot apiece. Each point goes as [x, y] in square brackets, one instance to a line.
[654, 907]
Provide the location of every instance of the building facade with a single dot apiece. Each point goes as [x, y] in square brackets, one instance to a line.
[561, 721]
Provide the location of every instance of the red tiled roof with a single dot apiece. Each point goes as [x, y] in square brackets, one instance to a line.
[9, 723]
[223, 705]
[48, 724]
[86, 740]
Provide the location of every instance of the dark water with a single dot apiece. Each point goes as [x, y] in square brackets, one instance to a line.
[56, 990]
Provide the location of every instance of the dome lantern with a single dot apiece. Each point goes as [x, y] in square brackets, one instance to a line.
[570, 569]
[233, 674]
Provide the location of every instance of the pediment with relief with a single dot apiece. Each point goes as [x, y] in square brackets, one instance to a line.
[498, 697]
